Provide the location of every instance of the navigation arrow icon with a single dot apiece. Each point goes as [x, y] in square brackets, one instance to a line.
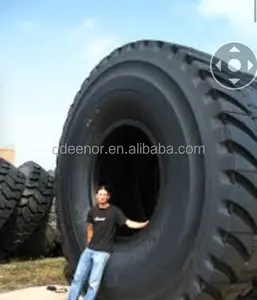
[249, 65]
[234, 80]
[234, 49]
[218, 65]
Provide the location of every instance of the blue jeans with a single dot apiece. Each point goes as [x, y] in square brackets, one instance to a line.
[88, 258]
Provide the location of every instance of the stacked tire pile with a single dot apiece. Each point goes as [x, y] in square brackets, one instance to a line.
[27, 211]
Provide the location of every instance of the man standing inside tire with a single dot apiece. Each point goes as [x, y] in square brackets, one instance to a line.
[102, 220]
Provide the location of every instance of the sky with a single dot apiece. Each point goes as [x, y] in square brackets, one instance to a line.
[47, 49]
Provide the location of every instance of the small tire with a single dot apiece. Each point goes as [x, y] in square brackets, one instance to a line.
[11, 187]
[34, 203]
[45, 240]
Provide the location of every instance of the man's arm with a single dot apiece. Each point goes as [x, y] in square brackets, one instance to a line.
[123, 220]
[135, 225]
[90, 232]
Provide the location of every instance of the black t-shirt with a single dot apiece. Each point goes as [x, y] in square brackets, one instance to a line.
[104, 222]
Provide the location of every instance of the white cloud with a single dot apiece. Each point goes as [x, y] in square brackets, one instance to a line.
[36, 119]
[81, 32]
[90, 23]
[35, 138]
[98, 48]
[102, 45]
[238, 13]
[28, 26]
[6, 125]
[238, 18]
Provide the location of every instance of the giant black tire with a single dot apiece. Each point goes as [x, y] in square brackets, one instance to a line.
[45, 240]
[200, 240]
[11, 187]
[34, 203]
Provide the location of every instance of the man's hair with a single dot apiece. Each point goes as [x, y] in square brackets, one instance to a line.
[102, 187]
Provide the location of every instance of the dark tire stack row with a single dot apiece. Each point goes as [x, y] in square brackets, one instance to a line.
[27, 211]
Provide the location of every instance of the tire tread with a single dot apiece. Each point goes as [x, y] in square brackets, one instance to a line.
[34, 203]
[11, 186]
[235, 115]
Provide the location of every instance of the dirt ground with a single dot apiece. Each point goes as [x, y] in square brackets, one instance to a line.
[17, 275]
[33, 293]
[20, 280]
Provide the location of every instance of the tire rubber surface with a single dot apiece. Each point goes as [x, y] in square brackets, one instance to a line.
[34, 203]
[201, 245]
[11, 187]
[45, 240]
